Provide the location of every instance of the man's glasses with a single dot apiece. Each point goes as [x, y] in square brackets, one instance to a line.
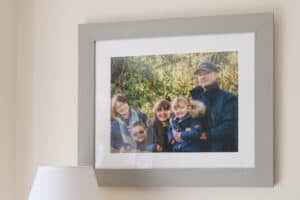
[202, 73]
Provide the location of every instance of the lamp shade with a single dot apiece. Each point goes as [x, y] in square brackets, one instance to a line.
[65, 183]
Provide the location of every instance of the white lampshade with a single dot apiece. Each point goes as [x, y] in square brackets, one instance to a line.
[65, 183]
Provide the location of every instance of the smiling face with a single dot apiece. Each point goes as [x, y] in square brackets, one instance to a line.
[139, 133]
[181, 109]
[163, 114]
[205, 78]
[122, 108]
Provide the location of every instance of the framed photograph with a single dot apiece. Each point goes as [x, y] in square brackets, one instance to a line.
[178, 102]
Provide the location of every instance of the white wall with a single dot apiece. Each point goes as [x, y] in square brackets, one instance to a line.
[7, 98]
[46, 124]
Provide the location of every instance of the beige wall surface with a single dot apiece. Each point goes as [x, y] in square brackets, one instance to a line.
[7, 98]
[46, 120]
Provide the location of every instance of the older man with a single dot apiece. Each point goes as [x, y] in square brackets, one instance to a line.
[221, 127]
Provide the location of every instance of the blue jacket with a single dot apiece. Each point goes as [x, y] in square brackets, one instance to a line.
[221, 117]
[190, 133]
[116, 139]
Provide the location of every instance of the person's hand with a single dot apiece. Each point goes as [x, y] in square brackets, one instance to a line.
[177, 137]
[159, 148]
[114, 150]
[124, 149]
[203, 136]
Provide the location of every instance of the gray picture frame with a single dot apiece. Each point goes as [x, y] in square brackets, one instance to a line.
[261, 24]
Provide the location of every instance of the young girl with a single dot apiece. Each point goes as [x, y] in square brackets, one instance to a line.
[184, 130]
[158, 125]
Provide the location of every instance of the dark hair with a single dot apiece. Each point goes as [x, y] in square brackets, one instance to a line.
[155, 123]
[161, 104]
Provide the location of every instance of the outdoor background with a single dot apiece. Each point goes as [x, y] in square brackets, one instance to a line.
[144, 80]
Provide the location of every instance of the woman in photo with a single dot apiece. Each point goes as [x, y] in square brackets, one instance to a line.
[158, 125]
[123, 117]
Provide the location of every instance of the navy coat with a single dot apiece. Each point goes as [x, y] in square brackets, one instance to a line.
[221, 117]
[190, 133]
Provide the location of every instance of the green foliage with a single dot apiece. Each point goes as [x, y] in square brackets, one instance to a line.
[147, 79]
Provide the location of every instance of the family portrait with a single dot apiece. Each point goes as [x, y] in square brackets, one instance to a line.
[174, 103]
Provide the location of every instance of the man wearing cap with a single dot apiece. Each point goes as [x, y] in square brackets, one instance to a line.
[221, 119]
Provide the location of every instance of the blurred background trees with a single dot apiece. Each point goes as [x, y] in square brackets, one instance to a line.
[143, 80]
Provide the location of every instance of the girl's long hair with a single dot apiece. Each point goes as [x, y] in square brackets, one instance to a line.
[161, 104]
[155, 123]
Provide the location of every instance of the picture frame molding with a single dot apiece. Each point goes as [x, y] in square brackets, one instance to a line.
[261, 24]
